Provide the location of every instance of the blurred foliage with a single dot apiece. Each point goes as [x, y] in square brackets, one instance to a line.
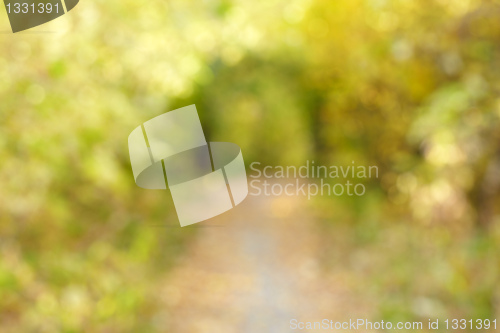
[409, 86]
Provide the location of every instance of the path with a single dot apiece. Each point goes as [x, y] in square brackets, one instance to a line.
[253, 269]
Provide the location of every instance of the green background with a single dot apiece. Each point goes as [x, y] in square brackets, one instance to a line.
[409, 86]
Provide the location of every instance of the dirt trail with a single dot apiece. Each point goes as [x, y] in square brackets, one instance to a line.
[253, 269]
